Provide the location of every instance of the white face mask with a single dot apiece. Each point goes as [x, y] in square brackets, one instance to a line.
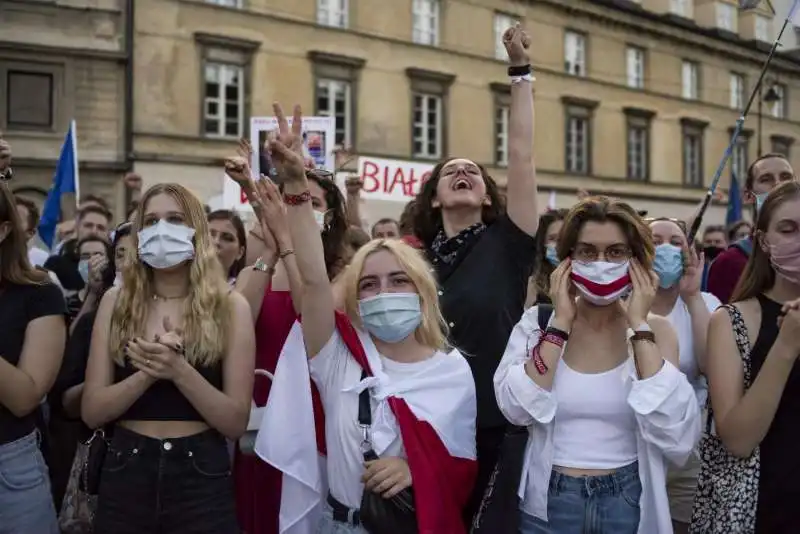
[600, 282]
[319, 216]
[166, 245]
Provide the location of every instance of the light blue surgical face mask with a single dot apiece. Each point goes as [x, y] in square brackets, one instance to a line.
[390, 317]
[551, 254]
[760, 198]
[83, 270]
[668, 265]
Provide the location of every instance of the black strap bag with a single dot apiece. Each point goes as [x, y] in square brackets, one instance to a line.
[397, 515]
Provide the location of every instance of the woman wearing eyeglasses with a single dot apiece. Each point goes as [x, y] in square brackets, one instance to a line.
[273, 288]
[600, 389]
[688, 310]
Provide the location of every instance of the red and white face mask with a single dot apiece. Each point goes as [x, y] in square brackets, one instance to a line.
[601, 282]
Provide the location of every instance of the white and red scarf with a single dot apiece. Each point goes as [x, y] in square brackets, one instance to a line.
[440, 447]
[601, 282]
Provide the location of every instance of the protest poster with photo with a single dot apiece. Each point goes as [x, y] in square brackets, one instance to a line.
[318, 142]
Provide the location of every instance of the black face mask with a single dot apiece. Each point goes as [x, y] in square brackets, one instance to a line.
[712, 252]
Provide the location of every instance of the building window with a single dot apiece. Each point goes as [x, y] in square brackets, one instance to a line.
[225, 78]
[638, 143]
[332, 13]
[427, 126]
[502, 22]
[429, 92]
[737, 91]
[226, 3]
[578, 138]
[692, 144]
[29, 100]
[682, 8]
[777, 108]
[224, 100]
[635, 67]
[763, 29]
[502, 110]
[782, 145]
[334, 100]
[739, 157]
[689, 80]
[336, 82]
[575, 53]
[727, 17]
[425, 14]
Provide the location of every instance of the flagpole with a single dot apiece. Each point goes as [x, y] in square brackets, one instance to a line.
[738, 129]
[74, 133]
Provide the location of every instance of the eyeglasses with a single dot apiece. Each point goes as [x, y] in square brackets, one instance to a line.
[613, 254]
[681, 223]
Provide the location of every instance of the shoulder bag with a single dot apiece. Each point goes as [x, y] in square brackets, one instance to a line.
[397, 515]
[727, 487]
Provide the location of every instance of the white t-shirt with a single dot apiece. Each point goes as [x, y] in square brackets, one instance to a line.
[334, 370]
[682, 323]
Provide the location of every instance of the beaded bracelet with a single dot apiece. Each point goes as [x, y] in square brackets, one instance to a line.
[296, 200]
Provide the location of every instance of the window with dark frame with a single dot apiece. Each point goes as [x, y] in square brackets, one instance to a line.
[578, 134]
[29, 99]
[638, 143]
[692, 141]
[336, 89]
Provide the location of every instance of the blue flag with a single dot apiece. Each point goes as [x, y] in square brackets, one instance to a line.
[734, 213]
[65, 181]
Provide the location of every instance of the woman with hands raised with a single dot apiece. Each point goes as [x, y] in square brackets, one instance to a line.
[273, 288]
[754, 380]
[391, 339]
[599, 390]
[169, 376]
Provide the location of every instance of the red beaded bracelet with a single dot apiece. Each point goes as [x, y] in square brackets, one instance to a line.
[296, 200]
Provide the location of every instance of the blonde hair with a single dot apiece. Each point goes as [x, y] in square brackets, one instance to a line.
[206, 310]
[432, 330]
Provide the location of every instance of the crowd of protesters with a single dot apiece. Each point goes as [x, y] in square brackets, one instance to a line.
[475, 366]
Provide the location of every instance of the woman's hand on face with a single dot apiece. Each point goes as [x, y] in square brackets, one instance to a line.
[387, 476]
[645, 284]
[692, 279]
[517, 42]
[97, 266]
[273, 211]
[562, 297]
[287, 149]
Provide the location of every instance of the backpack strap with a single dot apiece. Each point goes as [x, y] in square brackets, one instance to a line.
[544, 312]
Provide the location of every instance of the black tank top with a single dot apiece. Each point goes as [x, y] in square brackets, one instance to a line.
[163, 401]
[778, 488]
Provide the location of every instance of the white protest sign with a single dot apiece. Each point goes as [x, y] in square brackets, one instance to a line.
[319, 141]
[392, 179]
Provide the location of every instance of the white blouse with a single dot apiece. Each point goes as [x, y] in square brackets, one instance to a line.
[667, 424]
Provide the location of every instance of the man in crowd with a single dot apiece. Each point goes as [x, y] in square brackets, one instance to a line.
[386, 228]
[715, 241]
[92, 219]
[762, 177]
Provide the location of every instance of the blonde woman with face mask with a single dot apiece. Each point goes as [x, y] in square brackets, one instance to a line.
[169, 376]
[600, 389]
[399, 404]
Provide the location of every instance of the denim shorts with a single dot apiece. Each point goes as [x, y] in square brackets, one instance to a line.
[606, 504]
[26, 504]
[168, 486]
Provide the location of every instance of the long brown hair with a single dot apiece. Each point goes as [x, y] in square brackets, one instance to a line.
[758, 275]
[427, 220]
[602, 209]
[14, 264]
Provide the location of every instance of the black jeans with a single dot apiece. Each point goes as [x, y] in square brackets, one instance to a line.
[168, 486]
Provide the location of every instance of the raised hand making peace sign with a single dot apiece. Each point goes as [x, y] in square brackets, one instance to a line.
[287, 149]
